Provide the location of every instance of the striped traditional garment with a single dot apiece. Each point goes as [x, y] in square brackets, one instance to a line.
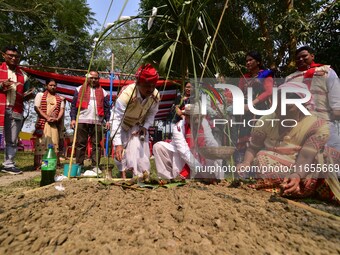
[316, 78]
[39, 126]
[262, 86]
[310, 133]
[86, 98]
[14, 97]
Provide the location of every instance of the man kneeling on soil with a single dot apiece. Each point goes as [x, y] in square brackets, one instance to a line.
[176, 159]
[133, 114]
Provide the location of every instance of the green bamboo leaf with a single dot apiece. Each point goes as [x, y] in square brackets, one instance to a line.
[179, 29]
[166, 56]
[210, 94]
[155, 50]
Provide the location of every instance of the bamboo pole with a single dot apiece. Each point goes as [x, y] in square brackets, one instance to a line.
[305, 207]
[76, 128]
[74, 69]
[214, 38]
[108, 175]
[39, 188]
[314, 210]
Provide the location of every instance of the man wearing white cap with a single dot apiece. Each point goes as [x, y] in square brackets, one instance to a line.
[134, 112]
[180, 157]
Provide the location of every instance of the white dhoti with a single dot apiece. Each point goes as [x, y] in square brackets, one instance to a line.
[137, 153]
[164, 159]
[169, 164]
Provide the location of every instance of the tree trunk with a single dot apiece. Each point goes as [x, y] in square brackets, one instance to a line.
[292, 38]
[268, 44]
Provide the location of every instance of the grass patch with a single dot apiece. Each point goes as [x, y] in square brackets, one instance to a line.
[23, 185]
[24, 161]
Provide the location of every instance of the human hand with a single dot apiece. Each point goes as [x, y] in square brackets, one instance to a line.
[73, 124]
[178, 111]
[51, 119]
[291, 185]
[119, 152]
[6, 85]
[107, 125]
[240, 169]
[142, 133]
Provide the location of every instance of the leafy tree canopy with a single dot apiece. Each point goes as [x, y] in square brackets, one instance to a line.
[123, 41]
[275, 29]
[48, 32]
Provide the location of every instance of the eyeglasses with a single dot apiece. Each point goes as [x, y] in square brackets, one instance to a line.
[13, 56]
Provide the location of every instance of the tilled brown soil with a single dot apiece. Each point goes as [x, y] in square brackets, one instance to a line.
[89, 218]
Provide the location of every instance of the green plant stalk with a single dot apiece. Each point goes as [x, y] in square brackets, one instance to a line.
[214, 38]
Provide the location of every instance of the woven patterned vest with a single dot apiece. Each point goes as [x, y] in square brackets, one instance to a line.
[136, 112]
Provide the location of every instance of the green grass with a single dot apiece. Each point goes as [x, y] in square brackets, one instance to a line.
[23, 185]
[24, 161]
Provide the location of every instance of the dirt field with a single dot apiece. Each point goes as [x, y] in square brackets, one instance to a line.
[90, 218]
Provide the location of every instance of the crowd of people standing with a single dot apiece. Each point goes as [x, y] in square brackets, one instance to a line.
[314, 139]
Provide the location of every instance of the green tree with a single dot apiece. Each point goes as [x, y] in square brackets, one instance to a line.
[274, 28]
[325, 35]
[123, 41]
[48, 32]
[180, 37]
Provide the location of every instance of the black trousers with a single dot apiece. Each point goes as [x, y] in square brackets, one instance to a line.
[85, 131]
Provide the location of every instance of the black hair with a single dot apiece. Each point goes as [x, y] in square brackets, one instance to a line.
[95, 72]
[255, 55]
[307, 48]
[11, 48]
[49, 80]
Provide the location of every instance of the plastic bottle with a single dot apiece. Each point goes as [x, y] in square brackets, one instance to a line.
[48, 166]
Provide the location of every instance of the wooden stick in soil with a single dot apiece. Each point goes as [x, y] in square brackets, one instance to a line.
[313, 210]
[305, 207]
[39, 188]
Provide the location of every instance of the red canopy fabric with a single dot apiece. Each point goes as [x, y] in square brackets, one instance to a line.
[66, 84]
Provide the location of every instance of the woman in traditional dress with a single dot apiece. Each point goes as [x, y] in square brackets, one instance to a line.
[283, 156]
[261, 81]
[50, 109]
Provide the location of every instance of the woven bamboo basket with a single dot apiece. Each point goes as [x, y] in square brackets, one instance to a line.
[219, 152]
